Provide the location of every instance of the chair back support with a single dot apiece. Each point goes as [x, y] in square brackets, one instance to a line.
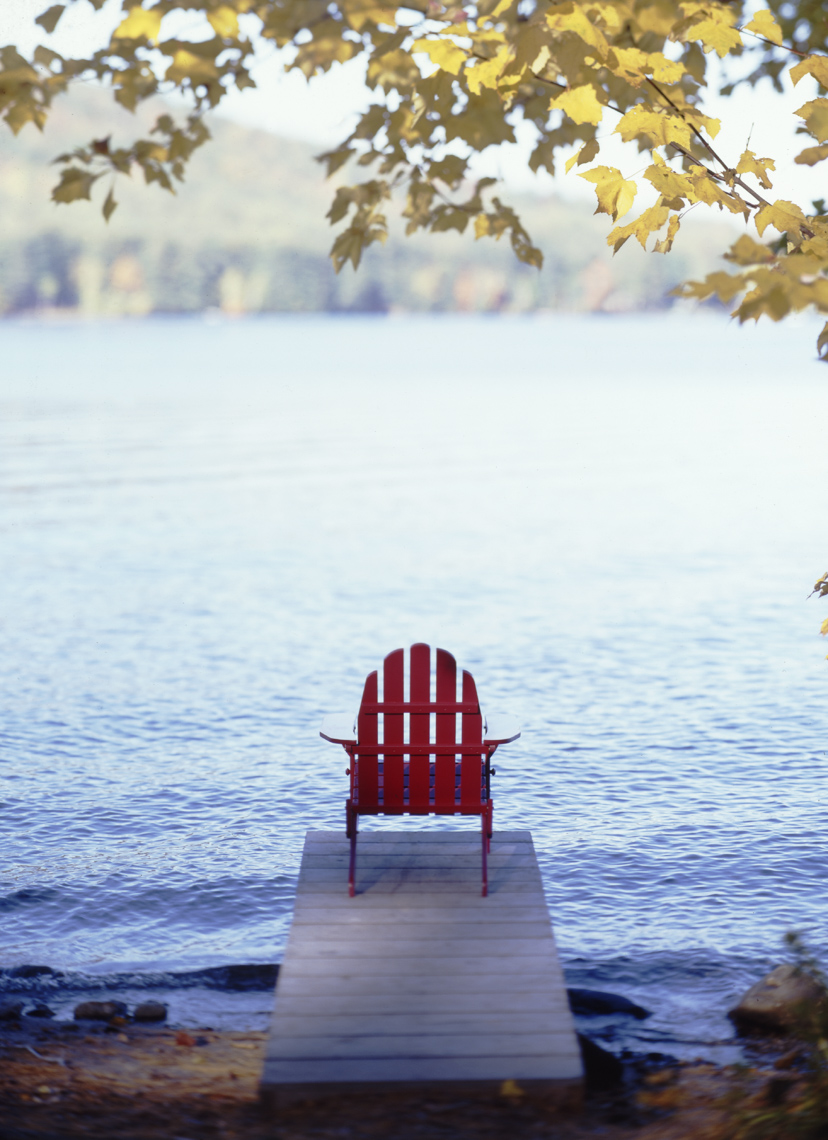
[422, 753]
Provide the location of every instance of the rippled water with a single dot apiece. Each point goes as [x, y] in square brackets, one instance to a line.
[211, 532]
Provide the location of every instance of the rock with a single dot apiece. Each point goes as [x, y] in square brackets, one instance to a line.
[789, 1059]
[30, 971]
[10, 1010]
[601, 1068]
[593, 1003]
[40, 1011]
[778, 1087]
[245, 976]
[99, 1010]
[777, 1002]
[150, 1011]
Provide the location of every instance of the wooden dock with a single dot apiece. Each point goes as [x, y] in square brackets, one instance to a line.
[418, 983]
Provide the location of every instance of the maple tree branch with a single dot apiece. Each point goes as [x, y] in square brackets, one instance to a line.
[729, 170]
[534, 74]
[760, 201]
[680, 113]
[770, 43]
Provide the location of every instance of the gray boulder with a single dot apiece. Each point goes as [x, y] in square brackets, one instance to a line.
[99, 1010]
[778, 1001]
[10, 1010]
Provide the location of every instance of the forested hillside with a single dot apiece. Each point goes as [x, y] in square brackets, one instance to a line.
[247, 233]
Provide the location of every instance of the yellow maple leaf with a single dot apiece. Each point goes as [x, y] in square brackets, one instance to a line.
[770, 297]
[586, 154]
[700, 121]
[614, 15]
[48, 20]
[658, 17]
[358, 13]
[782, 215]
[665, 70]
[811, 155]
[614, 192]
[580, 104]
[668, 182]
[815, 65]
[666, 244]
[392, 69]
[444, 52]
[185, 65]
[74, 184]
[715, 33]
[487, 73]
[568, 17]
[746, 251]
[224, 22]
[648, 223]
[726, 286]
[657, 127]
[712, 193]
[634, 64]
[629, 64]
[750, 164]
[764, 24]
[140, 22]
[815, 114]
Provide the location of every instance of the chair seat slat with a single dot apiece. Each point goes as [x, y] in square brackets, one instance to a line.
[432, 749]
[443, 707]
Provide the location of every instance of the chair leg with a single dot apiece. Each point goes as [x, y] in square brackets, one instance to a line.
[491, 825]
[351, 831]
[485, 848]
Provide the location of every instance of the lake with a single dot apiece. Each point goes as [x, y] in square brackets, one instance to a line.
[211, 531]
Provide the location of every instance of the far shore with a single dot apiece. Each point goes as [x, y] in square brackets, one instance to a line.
[141, 1082]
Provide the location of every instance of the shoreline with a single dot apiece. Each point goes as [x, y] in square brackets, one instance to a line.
[155, 1082]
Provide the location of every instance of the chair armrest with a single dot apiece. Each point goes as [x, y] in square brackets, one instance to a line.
[339, 728]
[501, 728]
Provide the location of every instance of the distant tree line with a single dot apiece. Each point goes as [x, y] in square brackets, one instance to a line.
[52, 271]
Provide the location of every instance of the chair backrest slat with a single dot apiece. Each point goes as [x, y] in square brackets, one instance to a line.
[419, 727]
[471, 785]
[400, 767]
[368, 789]
[446, 732]
[393, 671]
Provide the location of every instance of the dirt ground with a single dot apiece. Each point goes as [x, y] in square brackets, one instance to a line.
[133, 1082]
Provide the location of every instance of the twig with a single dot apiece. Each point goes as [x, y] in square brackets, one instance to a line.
[737, 181]
[40, 1057]
[770, 43]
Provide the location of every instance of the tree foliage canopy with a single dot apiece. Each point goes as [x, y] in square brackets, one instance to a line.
[449, 80]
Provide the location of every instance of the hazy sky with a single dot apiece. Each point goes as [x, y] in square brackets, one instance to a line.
[322, 111]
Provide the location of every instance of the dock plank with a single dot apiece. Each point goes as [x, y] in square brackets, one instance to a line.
[418, 982]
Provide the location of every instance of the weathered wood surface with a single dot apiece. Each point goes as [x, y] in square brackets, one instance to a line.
[418, 982]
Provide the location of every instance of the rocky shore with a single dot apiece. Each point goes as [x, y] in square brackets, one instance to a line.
[113, 1073]
[148, 1082]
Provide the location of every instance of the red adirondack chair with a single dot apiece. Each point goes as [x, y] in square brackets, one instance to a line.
[422, 755]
